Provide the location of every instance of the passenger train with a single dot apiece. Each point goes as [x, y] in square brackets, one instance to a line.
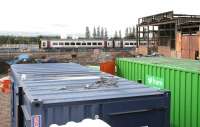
[83, 43]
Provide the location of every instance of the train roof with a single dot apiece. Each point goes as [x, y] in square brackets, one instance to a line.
[86, 39]
[72, 39]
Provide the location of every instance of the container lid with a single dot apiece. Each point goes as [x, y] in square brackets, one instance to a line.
[69, 82]
[179, 64]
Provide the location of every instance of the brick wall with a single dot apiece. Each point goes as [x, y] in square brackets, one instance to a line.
[198, 33]
[4, 110]
[164, 50]
[178, 44]
[142, 50]
[187, 45]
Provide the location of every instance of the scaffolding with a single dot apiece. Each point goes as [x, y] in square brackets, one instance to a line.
[161, 29]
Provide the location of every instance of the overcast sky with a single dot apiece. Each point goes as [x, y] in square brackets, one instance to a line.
[71, 16]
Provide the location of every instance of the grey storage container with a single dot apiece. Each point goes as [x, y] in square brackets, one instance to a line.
[45, 94]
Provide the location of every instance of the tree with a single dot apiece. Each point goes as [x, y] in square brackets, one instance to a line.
[130, 30]
[126, 32]
[106, 33]
[102, 33]
[98, 32]
[130, 33]
[87, 32]
[134, 32]
[115, 36]
[94, 33]
[120, 34]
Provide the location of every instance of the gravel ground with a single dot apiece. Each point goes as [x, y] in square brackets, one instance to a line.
[4, 110]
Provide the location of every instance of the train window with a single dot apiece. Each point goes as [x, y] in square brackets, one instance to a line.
[83, 43]
[72, 43]
[126, 43]
[94, 43]
[99, 43]
[78, 43]
[131, 43]
[88, 43]
[55, 43]
[43, 44]
[61, 43]
[66, 43]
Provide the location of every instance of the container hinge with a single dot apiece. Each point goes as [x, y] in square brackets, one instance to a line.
[25, 112]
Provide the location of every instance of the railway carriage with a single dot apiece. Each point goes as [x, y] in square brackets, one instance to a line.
[90, 43]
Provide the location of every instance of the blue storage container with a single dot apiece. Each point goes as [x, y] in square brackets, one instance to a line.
[56, 93]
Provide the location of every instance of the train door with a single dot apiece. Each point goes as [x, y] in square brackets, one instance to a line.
[121, 43]
[48, 44]
[105, 44]
[113, 43]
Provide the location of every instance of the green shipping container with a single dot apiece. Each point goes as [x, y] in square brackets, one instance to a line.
[180, 76]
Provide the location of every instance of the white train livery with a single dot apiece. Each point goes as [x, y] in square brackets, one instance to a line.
[65, 43]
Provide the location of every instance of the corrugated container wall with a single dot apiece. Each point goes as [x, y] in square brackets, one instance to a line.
[45, 94]
[180, 76]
